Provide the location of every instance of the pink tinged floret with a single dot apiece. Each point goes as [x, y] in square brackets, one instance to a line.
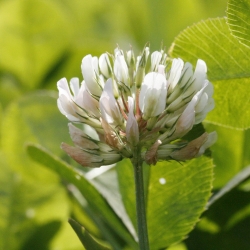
[83, 158]
[132, 130]
[211, 139]
[152, 98]
[151, 154]
[80, 139]
[191, 150]
[110, 137]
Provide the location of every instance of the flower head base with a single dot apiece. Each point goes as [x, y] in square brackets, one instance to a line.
[131, 103]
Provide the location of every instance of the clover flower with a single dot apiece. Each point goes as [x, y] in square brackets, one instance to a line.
[149, 101]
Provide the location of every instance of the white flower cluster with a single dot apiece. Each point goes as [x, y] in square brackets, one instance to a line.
[136, 102]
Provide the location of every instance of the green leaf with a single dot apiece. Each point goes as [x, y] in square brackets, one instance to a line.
[228, 69]
[36, 195]
[167, 214]
[107, 184]
[34, 35]
[24, 120]
[238, 19]
[88, 241]
[177, 196]
[43, 234]
[125, 175]
[93, 197]
[23, 211]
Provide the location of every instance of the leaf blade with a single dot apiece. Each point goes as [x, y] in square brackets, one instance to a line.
[228, 70]
[238, 20]
[176, 198]
[88, 241]
[95, 200]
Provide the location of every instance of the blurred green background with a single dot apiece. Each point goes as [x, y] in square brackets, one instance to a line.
[42, 41]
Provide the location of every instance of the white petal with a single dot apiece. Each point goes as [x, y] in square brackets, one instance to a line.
[86, 101]
[161, 69]
[187, 74]
[63, 87]
[152, 98]
[89, 70]
[200, 74]
[175, 72]
[201, 104]
[121, 69]
[155, 60]
[104, 65]
[74, 85]
[186, 120]
[108, 105]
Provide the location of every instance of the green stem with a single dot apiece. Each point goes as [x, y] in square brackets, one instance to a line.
[140, 200]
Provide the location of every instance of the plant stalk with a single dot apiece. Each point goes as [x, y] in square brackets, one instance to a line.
[140, 200]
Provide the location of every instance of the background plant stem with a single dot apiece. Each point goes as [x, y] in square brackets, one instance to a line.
[140, 200]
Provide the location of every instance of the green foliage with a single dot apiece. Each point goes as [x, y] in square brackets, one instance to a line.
[31, 196]
[164, 209]
[28, 45]
[87, 240]
[42, 41]
[238, 20]
[177, 196]
[228, 69]
[97, 203]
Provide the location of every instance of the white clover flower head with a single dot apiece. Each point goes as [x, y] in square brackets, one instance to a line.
[132, 101]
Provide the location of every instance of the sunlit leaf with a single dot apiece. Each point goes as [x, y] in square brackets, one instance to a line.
[33, 118]
[107, 185]
[228, 69]
[37, 196]
[238, 18]
[24, 207]
[177, 196]
[93, 197]
[34, 35]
